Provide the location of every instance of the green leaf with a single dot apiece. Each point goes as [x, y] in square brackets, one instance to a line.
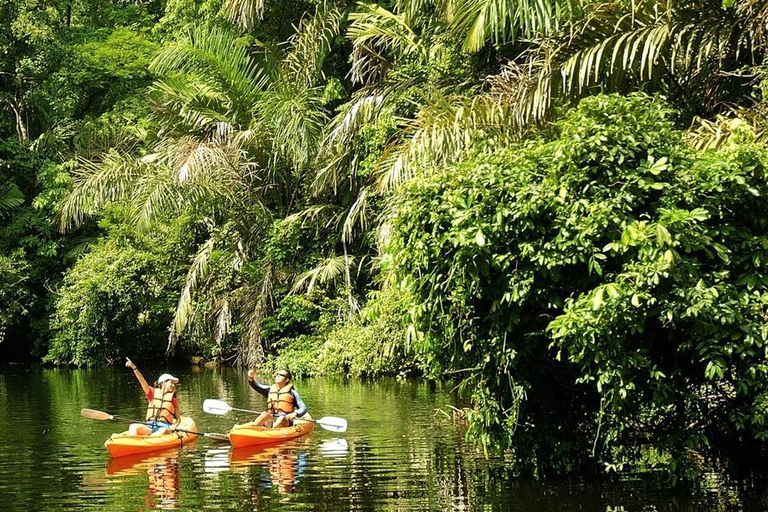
[597, 300]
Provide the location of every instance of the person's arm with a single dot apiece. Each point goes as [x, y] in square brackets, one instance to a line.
[177, 419]
[256, 385]
[144, 386]
[301, 406]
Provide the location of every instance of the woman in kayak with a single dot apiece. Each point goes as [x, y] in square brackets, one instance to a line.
[163, 409]
[283, 401]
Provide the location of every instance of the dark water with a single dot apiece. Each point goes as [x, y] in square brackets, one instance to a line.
[400, 453]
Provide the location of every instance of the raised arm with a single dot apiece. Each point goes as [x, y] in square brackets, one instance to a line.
[256, 385]
[144, 386]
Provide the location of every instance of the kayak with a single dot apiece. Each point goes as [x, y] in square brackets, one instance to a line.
[120, 445]
[248, 434]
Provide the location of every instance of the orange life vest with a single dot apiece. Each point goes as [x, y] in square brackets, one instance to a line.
[161, 407]
[281, 400]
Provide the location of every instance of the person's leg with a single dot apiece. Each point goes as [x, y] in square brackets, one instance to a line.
[139, 429]
[262, 419]
[281, 421]
[161, 431]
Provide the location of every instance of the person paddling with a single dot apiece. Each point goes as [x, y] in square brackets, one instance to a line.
[283, 401]
[163, 408]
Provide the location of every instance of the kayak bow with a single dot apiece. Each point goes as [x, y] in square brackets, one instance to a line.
[248, 434]
[120, 445]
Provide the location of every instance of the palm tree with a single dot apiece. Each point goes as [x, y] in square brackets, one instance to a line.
[700, 54]
[695, 53]
[237, 130]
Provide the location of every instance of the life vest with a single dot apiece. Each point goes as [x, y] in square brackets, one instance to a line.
[161, 407]
[280, 400]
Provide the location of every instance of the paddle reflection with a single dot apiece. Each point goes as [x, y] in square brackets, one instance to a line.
[163, 470]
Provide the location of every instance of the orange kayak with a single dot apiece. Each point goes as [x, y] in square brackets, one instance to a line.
[248, 434]
[120, 445]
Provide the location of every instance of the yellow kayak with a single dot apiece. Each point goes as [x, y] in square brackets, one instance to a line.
[120, 445]
[248, 434]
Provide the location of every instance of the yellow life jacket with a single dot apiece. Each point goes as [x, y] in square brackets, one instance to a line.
[161, 407]
[281, 400]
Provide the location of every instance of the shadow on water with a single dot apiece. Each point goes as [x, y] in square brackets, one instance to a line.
[398, 454]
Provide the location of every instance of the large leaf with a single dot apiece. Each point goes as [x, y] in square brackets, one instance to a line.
[10, 197]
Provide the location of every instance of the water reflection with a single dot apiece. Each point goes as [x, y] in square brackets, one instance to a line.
[163, 471]
[285, 465]
[396, 455]
[333, 448]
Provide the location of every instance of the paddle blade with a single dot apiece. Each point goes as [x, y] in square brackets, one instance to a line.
[333, 423]
[212, 406]
[96, 415]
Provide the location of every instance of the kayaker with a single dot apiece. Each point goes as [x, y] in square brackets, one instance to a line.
[283, 401]
[163, 409]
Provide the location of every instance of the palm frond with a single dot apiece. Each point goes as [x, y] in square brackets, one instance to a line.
[296, 117]
[444, 128]
[183, 107]
[378, 34]
[314, 213]
[708, 134]
[93, 140]
[311, 44]
[614, 48]
[754, 15]
[158, 195]
[356, 216]
[329, 270]
[80, 246]
[223, 319]
[185, 308]
[413, 9]
[245, 12]
[338, 147]
[256, 303]
[10, 197]
[501, 21]
[97, 183]
[219, 58]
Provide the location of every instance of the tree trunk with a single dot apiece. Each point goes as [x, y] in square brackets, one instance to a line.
[19, 112]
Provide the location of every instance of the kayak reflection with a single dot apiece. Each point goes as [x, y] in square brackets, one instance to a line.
[163, 470]
[286, 464]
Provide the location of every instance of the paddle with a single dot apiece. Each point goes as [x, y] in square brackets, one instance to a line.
[331, 423]
[101, 416]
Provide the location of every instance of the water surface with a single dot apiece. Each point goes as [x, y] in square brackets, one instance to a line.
[401, 452]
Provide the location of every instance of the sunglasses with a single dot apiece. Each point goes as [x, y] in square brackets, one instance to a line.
[281, 374]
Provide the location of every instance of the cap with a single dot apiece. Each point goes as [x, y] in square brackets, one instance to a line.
[167, 376]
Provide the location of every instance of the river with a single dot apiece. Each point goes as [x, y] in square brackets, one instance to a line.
[401, 452]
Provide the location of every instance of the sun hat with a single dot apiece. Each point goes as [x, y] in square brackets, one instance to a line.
[167, 376]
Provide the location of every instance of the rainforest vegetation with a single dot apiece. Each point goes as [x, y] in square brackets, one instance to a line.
[560, 206]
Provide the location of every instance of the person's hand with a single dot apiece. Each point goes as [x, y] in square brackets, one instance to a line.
[291, 416]
[251, 375]
[129, 364]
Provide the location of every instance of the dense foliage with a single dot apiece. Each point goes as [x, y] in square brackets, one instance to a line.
[403, 187]
[609, 271]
